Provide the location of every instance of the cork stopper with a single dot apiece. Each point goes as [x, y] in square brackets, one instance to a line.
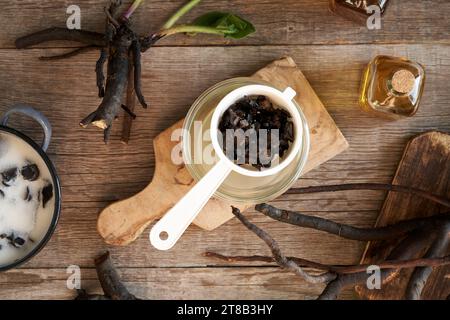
[403, 81]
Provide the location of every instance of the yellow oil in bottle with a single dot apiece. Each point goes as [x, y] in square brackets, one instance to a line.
[392, 87]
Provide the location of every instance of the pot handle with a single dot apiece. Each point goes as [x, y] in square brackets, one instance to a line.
[35, 115]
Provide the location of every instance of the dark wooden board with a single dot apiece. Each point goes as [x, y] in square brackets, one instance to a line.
[425, 165]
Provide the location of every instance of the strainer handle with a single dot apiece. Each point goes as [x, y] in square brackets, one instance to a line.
[289, 93]
[170, 228]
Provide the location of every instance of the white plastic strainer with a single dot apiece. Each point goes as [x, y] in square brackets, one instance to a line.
[169, 229]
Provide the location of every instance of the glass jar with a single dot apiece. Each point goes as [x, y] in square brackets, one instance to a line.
[392, 87]
[236, 188]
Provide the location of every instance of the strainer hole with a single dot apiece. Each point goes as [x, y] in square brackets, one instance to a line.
[163, 235]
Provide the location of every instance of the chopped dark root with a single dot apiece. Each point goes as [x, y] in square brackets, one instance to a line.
[28, 196]
[47, 194]
[30, 172]
[19, 241]
[13, 240]
[257, 113]
[8, 176]
[112, 286]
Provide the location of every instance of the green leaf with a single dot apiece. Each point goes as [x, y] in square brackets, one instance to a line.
[231, 25]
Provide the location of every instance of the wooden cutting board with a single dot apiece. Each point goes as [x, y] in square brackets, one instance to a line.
[122, 222]
[425, 165]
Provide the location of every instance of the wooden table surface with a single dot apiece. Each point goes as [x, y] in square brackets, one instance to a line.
[331, 52]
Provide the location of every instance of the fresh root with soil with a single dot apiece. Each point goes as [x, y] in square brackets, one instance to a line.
[121, 49]
[429, 234]
[113, 288]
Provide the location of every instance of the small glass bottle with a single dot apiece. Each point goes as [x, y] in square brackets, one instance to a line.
[356, 10]
[392, 87]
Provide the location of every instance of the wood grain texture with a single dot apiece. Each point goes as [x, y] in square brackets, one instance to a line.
[277, 22]
[425, 165]
[266, 283]
[122, 222]
[330, 51]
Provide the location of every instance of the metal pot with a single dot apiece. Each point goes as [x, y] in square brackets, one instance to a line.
[41, 151]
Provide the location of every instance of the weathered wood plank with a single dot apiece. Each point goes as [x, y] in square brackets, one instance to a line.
[70, 85]
[277, 22]
[123, 221]
[66, 92]
[425, 165]
[166, 283]
[81, 154]
[77, 242]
